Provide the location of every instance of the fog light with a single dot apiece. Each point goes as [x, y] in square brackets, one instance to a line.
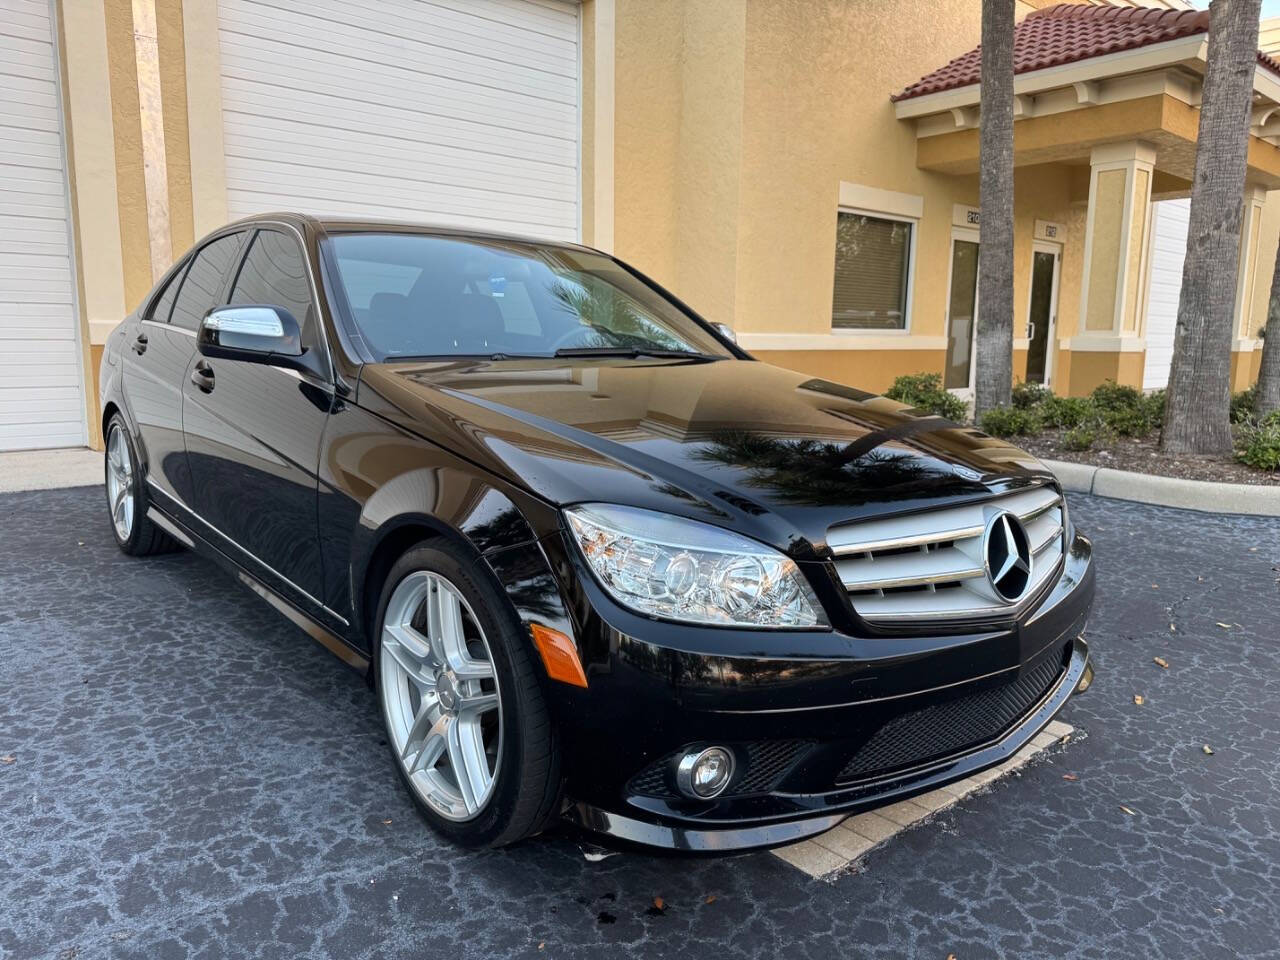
[1086, 679]
[703, 774]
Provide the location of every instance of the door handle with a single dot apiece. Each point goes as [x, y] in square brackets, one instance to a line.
[1031, 329]
[202, 376]
[140, 344]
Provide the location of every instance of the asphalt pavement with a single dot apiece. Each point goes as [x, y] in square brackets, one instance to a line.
[184, 773]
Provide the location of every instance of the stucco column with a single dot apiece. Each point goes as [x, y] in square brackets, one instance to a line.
[1244, 343]
[1109, 344]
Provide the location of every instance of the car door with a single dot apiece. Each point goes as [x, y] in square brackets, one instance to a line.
[155, 365]
[253, 430]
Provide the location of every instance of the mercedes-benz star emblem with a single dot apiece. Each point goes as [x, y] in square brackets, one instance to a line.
[1007, 552]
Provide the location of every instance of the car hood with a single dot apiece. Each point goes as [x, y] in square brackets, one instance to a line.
[772, 453]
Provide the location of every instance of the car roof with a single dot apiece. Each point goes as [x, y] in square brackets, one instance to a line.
[325, 225]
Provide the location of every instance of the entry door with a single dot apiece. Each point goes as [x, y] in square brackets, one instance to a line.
[962, 311]
[1042, 311]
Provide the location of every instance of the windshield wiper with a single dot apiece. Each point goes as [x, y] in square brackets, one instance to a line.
[634, 352]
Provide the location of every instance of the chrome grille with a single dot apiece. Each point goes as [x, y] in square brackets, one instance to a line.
[931, 564]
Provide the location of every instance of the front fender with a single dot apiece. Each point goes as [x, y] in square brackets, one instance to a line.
[460, 504]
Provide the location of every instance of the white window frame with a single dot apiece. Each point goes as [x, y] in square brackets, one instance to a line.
[966, 235]
[908, 300]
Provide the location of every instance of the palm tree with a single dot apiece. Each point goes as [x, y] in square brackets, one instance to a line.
[1266, 399]
[1197, 413]
[994, 376]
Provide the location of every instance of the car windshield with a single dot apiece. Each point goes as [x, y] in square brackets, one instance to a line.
[422, 295]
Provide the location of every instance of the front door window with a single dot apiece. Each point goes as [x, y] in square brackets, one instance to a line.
[961, 309]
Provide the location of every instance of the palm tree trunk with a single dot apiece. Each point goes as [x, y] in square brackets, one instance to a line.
[993, 380]
[1197, 412]
[1267, 397]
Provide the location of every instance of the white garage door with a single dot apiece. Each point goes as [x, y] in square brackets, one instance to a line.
[41, 403]
[1168, 249]
[444, 111]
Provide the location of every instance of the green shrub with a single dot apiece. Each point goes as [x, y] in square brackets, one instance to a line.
[924, 391]
[1129, 422]
[1260, 444]
[1066, 411]
[1079, 438]
[1112, 396]
[1028, 395]
[1011, 422]
[1242, 405]
[1154, 403]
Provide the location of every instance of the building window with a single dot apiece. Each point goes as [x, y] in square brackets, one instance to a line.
[873, 267]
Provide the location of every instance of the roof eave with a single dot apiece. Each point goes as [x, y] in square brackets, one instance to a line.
[1189, 51]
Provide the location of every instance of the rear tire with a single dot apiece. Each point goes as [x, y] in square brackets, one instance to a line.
[127, 500]
[458, 688]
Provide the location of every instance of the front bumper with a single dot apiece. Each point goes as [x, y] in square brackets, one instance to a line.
[824, 811]
[838, 722]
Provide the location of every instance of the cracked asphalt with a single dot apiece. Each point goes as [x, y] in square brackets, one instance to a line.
[193, 776]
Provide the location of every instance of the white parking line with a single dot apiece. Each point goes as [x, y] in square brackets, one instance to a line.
[853, 839]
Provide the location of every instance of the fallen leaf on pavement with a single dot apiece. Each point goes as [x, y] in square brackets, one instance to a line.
[1224, 626]
[9, 759]
[1161, 662]
[710, 899]
[1139, 699]
[1172, 628]
[1070, 776]
[386, 823]
[659, 903]
[1127, 810]
[542, 945]
[1207, 749]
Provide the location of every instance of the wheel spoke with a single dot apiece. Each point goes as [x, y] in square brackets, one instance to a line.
[411, 651]
[117, 508]
[434, 744]
[469, 762]
[449, 637]
[476, 704]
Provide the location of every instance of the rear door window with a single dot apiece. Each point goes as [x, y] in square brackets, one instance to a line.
[204, 280]
[162, 305]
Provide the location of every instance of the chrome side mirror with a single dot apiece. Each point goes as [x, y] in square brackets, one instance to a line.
[257, 330]
[726, 331]
[258, 333]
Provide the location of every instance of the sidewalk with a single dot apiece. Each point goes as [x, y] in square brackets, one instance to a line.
[49, 469]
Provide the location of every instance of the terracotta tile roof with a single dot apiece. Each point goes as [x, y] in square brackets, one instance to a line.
[1069, 32]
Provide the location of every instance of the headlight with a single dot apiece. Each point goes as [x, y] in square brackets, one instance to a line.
[679, 569]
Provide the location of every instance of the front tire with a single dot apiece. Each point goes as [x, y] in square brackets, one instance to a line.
[127, 501]
[466, 719]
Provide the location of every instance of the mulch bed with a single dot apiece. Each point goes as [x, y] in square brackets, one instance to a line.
[1144, 456]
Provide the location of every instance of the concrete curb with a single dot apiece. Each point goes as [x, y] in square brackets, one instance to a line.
[1203, 495]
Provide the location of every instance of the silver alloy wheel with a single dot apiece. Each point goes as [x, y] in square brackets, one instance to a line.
[120, 482]
[440, 693]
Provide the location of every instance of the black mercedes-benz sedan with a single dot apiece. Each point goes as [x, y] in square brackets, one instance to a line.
[600, 564]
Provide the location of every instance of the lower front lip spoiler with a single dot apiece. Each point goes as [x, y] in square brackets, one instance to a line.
[729, 838]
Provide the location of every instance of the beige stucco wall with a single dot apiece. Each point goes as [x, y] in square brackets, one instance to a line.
[736, 123]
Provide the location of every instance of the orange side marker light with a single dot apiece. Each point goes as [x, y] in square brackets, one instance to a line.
[559, 655]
